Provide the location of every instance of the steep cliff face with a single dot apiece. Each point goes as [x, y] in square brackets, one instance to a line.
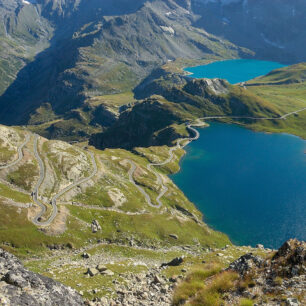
[19, 286]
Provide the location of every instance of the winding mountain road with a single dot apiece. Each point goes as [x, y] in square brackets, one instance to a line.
[38, 217]
[164, 188]
[41, 178]
[20, 154]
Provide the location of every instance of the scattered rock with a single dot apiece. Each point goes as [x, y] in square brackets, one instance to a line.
[157, 280]
[141, 289]
[104, 301]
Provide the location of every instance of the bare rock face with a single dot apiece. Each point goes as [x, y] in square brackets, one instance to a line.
[283, 275]
[19, 286]
[206, 87]
[290, 259]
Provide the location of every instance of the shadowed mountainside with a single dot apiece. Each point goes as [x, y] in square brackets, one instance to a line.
[159, 120]
[95, 51]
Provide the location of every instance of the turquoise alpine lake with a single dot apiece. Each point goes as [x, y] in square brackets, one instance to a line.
[234, 71]
[249, 185]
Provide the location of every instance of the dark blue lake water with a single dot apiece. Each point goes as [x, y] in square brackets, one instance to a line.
[251, 186]
[234, 71]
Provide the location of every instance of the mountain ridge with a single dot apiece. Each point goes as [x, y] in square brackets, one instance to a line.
[93, 50]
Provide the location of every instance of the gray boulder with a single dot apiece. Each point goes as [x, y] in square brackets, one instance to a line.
[92, 271]
[246, 263]
[18, 286]
[95, 226]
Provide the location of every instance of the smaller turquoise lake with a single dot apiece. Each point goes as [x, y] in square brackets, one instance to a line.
[251, 186]
[234, 71]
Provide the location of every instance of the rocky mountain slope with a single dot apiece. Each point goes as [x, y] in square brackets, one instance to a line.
[24, 33]
[99, 49]
[271, 29]
[107, 221]
[18, 286]
[77, 51]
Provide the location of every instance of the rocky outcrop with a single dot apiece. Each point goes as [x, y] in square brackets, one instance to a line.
[206, 87]
[245, 263]
[281, 278]
[71, 162]
[19, 286]
[289, 261]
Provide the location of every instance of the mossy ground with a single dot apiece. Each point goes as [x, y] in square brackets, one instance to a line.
[23, 176]
[115, 100]
[14, 195]
[286, 89]
[150, 229]
[6, 154]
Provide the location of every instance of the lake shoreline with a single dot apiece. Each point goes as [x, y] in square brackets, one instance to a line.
[227, 69]
[189, 155]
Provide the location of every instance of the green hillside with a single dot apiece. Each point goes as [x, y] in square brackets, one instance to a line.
[154, 120]
[285, 89]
